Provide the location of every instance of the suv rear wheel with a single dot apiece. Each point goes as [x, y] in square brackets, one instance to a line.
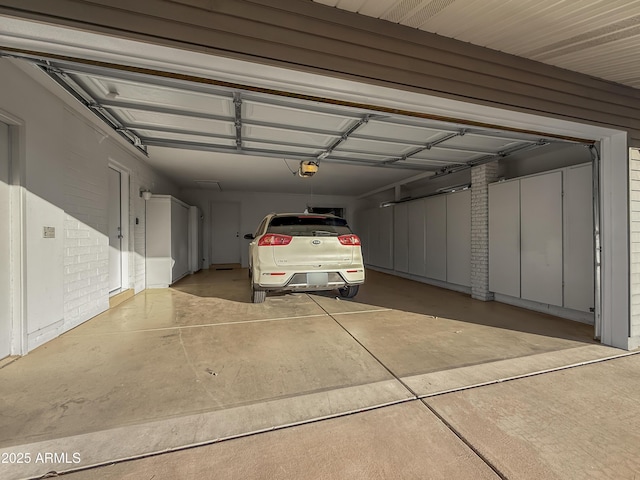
[349, 291]
[257, 296]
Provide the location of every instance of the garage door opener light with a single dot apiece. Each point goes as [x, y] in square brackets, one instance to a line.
[307, 169]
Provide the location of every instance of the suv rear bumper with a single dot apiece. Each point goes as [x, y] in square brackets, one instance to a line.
[309, 281]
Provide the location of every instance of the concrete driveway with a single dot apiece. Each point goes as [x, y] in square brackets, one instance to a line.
[197, 364]
[579, 423]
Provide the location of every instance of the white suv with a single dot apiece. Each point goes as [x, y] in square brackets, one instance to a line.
[304, 252]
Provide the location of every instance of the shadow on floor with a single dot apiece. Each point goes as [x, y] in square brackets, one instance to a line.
[391, 292]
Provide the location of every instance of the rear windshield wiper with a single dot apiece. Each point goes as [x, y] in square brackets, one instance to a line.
[323, 233]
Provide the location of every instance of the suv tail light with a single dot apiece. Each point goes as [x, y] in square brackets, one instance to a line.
[273, 239]
[349, 239]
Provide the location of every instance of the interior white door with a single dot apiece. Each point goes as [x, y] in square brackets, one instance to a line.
[5, 232]
[225, 233]
[115, 230]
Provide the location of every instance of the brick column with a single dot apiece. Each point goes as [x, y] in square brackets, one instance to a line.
[634, 229]
[481, 176]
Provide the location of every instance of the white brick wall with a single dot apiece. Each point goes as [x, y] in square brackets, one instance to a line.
[86, 248]
[634, 227]
[66, 158]
[481, 176]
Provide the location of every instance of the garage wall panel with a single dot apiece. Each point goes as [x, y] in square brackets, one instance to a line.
[578, 238]
[504, 238]
[436, 235]
[417, 237]
[401, 237]
[541, 241]
[459, 238]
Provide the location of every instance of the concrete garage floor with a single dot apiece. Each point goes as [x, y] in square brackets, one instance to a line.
[197, 363]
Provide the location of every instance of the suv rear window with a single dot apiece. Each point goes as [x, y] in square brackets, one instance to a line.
[309, 226]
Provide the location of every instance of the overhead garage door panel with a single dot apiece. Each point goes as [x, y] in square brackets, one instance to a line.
[446, 156]
[284, 136]
[541, 228]
[376, 146]
[142, 93]
[404, 132]
[289, 115]
[140, 118]
[486, 142]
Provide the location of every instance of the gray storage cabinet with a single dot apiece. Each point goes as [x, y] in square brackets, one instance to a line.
[541, 238]
[167, 241]
[195, 239]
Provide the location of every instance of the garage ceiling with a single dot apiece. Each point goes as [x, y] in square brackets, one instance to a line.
[600, 38]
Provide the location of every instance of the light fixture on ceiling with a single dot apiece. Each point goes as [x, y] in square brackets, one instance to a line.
[145, 193]
[307, 168]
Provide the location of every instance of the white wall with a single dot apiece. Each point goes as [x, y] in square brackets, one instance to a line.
[255, 205]
[65, 156]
